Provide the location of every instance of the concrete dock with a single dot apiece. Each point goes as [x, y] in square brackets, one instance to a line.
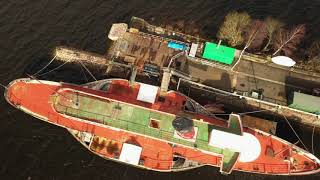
[254, 81]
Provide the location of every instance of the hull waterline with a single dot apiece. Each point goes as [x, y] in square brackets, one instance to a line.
[113, 119]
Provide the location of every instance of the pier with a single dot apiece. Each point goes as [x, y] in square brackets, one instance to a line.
[252, 80]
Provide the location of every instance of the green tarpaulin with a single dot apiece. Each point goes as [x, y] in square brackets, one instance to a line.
[221, 53]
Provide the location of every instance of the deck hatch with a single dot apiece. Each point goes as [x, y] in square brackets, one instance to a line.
[154, 124]
[130, 153]
[147, 93]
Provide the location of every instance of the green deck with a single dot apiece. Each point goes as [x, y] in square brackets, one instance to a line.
[133, 118]
[221, 54]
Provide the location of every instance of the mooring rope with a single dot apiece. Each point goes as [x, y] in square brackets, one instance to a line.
[34, 78]
[252, 112]
[84, 74]
[88, 71]
[3, 86]
[314, 127]
[35, 74]
[54, 69]
[295, 132]
[244, 113]
[285, 148]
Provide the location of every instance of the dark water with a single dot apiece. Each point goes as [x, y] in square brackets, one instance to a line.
[29, 30]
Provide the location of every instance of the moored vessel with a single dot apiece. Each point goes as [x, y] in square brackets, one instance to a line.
[134, 124]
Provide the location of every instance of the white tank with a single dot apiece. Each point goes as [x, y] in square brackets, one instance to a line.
[283, 61]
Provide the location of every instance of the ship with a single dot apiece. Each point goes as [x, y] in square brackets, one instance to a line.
[139, 125]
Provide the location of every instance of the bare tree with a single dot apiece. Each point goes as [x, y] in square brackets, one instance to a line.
[272, 25]
[313, 51]
[287, 41]
[232, 27]
[255, 34]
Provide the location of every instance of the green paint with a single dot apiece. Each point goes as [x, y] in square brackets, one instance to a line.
[221, 54]
[203, 133]
[229, 160]
[134, 119]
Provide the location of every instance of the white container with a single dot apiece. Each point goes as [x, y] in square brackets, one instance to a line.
[283, 61]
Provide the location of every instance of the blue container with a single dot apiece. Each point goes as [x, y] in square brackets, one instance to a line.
[175, 45]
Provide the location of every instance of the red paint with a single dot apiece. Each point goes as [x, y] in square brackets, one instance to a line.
[157, 154]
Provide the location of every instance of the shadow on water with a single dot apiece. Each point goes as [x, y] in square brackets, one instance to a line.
[69, 72]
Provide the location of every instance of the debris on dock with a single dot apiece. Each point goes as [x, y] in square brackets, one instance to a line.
[142, 49]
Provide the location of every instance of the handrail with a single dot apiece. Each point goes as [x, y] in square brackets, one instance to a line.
[163, 134]
[132, 126]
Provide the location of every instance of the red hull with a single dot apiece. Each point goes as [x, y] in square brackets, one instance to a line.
[35, 97]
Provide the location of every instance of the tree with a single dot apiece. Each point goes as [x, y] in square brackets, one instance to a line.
[232, 27]
[314, 50]
[288, 40]
[255, 34]
[272, 25]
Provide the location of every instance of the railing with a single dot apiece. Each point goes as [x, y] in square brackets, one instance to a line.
[265, 168]
[143, 25]
[134, 127]
[145, 130]
[32, 107]
[156, 36]
[206, 62]
[264, 98]
[157, 133]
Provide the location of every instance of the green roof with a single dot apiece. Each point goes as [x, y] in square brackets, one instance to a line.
[306, 102]
[221, 54]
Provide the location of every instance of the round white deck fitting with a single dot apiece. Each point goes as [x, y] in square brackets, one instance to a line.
[247, 145]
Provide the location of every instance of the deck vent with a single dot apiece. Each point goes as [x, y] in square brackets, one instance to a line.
[154, 124]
